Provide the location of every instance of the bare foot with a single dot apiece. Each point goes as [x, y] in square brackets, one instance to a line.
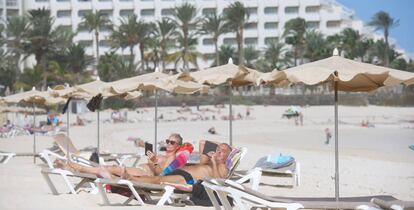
[62, 165]
[126, 175]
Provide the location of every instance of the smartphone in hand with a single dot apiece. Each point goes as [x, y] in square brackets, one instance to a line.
[148, 147]
[209, 146]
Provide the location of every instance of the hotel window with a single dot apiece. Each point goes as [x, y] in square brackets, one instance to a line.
[82, 13]
[167, 12]
[250, 41]
[209, 11]
[62, 0]
[104, 43]
[42, 0]
[210, 56]
[106, 13]
[208, 41]
[269, 40]
[312, 24]
[84, 0]
[82, 28]
[104, 0]
[270, 10]
[126, 12]
[125, 0]
[63, 13]
[312, 9]
[271, 25]
[229, 41]
[147, 12]
[85, 43]
[291, 10]
[333, 24]
[66, 27]
[251, 26]
[252, 10]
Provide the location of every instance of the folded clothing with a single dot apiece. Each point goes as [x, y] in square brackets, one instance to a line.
[274, 161]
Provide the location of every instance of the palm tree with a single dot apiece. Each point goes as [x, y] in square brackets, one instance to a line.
[237, 17]
[316, 46]
[43, 39]
[251, 54]
[164, 32]
[350, 41]
[131, 32]
[383, 21]
[226, 52]
[215, 25]
[114, 67]
[17, 32]
[295, 35]
[274, 54]
[186, 56]
[94, 21]
[185, 18]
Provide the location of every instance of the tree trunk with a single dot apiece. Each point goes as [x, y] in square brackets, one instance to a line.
[185, 64]
[97, 47]
[141, 50]
[217, 52]
[131, 57]
[163, 54]
[387, 59]
[241, 55]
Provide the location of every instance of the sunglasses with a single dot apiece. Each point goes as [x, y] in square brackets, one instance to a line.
[170, 142]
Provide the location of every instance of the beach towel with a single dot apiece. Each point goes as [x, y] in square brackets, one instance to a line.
[180, 160]
[411, 146]
[274, 161]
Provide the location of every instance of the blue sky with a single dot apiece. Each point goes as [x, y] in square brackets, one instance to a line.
[398, 9]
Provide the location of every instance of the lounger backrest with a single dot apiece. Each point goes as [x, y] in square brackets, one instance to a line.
[63, 142]
[235, 157]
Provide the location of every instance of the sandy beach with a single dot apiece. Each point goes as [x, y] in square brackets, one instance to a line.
[374, 160]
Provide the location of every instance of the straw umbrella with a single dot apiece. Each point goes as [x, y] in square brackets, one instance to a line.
[33, 97]
[155, 81]
[85, 91]
[344, 75]
[231, 75]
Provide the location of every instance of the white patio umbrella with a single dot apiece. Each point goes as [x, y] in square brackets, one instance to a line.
[231, 75]
[33, 97]
[155, 81]
[344, 75]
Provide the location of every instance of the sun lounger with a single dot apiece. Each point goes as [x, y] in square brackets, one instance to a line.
[246, 198]
[64, 174]
[6, 156]
[166, 191]
[65, 145]
[291, 171]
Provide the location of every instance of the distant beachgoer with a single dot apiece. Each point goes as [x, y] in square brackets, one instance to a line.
[247, 111]
[212, 130]
[328, 135]
[301, 118]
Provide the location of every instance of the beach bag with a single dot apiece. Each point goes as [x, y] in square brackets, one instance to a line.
[274, 161]
[94, 157]
[200, 197]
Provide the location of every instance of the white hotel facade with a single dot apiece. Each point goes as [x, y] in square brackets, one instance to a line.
[267, 17]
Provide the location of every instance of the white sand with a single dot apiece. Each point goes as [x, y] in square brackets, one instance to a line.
[372, 160]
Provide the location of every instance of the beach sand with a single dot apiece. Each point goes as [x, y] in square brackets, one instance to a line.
[373, 160]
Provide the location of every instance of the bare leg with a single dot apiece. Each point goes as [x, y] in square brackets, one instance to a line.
[142, 170]
[98, 171]
[158, 179]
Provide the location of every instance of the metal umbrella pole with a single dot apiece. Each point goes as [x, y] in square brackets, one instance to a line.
[230, 116]
[34, 134]
[98, 128]
[67, 131]
[156, 121]
[336, 141]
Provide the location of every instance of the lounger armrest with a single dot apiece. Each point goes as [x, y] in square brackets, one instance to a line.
[386, 205]
[46, 154]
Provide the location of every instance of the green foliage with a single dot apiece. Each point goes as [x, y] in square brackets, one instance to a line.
[114, 67]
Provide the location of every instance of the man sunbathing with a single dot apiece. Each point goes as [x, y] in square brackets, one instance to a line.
[155, 165]
[215, 167]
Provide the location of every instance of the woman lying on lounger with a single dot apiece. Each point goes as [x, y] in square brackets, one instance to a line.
[154, 167]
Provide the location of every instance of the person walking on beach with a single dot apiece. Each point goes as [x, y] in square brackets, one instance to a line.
[328, 135]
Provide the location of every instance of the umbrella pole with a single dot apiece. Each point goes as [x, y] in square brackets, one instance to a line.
[156, 121]
[67, 130]
[97, 122]
[34, 135]
[231, 117]
[336, 144]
